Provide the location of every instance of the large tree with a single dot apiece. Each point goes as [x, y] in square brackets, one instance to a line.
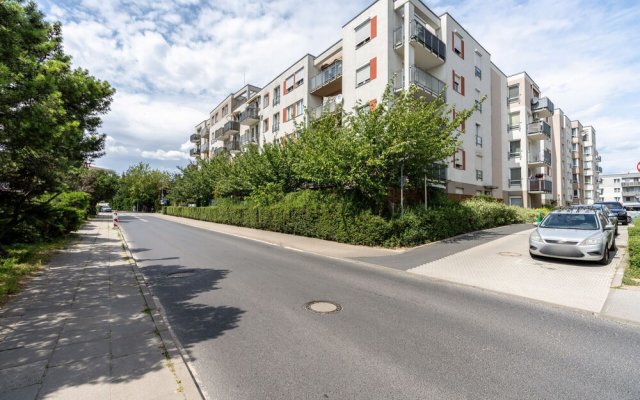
[141, 188]
[49, 111]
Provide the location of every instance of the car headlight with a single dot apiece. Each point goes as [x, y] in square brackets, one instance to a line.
[535, 237]
[591, 241]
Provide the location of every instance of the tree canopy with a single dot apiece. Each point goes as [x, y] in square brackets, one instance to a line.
[49, 111]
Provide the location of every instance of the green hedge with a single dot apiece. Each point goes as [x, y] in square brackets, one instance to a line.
[332, 217]
[634, 254]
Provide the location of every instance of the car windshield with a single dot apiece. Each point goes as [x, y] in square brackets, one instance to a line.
[571, 221]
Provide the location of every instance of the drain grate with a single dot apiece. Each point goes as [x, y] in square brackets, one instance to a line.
[181, 274]
[323, 307]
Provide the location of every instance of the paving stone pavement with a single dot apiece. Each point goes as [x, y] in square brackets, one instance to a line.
[86, 327]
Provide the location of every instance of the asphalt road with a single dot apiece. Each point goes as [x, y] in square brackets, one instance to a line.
[237, 307]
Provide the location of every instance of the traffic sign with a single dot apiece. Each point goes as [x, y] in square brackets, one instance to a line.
[638, 166]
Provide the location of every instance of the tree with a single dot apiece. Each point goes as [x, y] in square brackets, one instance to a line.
[362, 153]
[141, 188]
[49, 112]
[100, 184]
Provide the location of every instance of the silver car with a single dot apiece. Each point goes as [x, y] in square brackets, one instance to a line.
[575, 234]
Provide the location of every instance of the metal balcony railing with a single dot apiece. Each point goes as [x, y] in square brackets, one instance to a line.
[540, 158]
[232, 126]
[251, 114]
[540, 185]
[538, 128]
[194, 138]
[542, 105]
[420, 34]
[421, 79]
[328, 75]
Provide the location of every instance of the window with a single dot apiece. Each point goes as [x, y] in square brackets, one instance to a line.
[478, 64]
[298, 108]
[514, 120]
[299, 77]
[516, 201]
[478, 136]
[478, 175]
[588, 165]
[265, 100]
[459, 159]
[276, 122]
[289, 84]
[458, 83]
[574, 147]
[458, 45]
[265, 125]
[363, 75]
[515, 177]
[276, 96]
[514, 149]
[225, 110]
[616, 180]
[478, 97]
[287, 113]
[588, 180]
[514, 93]
[363, 33]
[616, 190]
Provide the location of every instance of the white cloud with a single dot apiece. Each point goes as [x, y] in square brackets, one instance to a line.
[165, 155]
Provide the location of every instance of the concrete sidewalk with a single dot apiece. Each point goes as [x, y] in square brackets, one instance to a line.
[87, 328]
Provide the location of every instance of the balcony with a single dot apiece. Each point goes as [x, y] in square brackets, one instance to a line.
[629, 184]
[430, 50]
[231, 127]
[539, 130]
[437, 173]
[194, 152]
[218, 133]
[219, 151]
[542, 106]
[431, 85]
[540, 186]
[327, 108]
[329, 81]
[232, 145]
[195, 138]
[540, 159]
[247, 138]
[250, 116]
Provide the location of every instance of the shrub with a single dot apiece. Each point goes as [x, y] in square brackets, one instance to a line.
[334, 217]
[632, 274]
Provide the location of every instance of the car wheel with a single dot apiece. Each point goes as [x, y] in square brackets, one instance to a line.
[613, 244]
[605, 257]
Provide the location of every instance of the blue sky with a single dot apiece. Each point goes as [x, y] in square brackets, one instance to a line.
[173, 61]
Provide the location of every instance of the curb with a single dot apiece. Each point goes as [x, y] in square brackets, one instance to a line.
[175, 353]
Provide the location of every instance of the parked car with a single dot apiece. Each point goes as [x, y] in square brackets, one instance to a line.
[618, 210]
[575, 234]
[105, 209]
[605, 210]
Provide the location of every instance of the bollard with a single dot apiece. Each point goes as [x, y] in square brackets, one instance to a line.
[115, 218]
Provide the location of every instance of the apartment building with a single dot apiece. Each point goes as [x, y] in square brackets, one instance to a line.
[529, 181]
[591, 165]
[562, 163]
[506, 146]
[624, 188]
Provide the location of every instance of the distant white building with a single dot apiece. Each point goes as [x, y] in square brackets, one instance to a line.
[624, 188]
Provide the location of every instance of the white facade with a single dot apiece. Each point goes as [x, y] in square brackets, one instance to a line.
[624, 188]
[506, 146]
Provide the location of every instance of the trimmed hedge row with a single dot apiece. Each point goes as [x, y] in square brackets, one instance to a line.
[331, 217]
[634, 247]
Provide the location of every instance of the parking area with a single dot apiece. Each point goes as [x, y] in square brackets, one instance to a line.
[504, 265]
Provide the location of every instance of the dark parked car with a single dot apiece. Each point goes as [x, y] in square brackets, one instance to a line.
[616, 209]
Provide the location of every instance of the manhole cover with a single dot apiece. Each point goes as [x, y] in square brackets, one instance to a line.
[180, 274]
[323, 307]
[510, 254]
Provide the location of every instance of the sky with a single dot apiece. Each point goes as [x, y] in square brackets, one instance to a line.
[173, 61]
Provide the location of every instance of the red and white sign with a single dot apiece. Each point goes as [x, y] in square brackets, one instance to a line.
[638, 166]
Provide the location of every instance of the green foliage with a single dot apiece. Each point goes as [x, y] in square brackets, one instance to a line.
[49, 112]
[20, 261]
[333, 216]
[141, 188]
[100, 184]
[632, 273]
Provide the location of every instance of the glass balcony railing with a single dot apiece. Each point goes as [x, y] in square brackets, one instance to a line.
[542, 106]
[194, 138]
[249, 115]
[540, 185]
[420, 34]
[539, 128]
[420, 78]
[232, 127]
[328, 75]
